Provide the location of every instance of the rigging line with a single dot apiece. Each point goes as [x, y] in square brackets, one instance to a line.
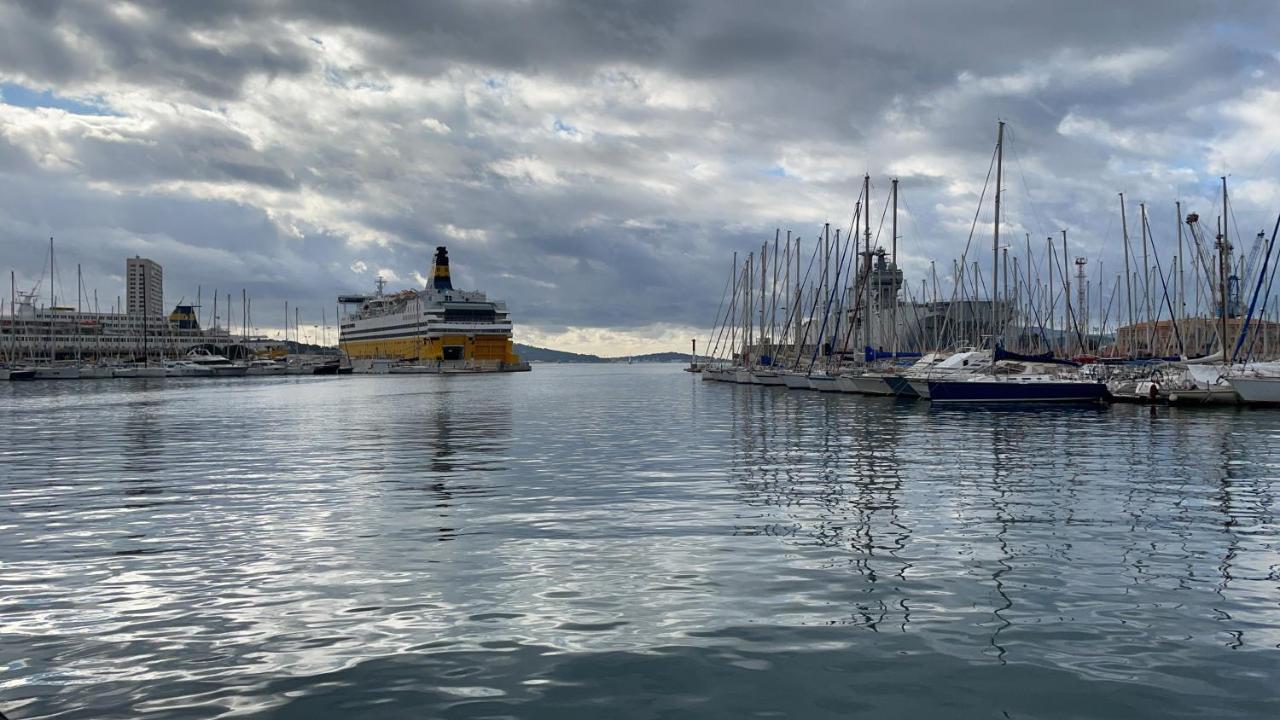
[1266, 299]
[799, 306]
[910, 216]
[723, 294]
[35, 290]
[1111, 221]
[883, 213]
[955, 284]
[1231, 212]
[976, 213]
[849, 239]
[857, 210]
[1017, 159]
[1253, 303]
[1165, 280]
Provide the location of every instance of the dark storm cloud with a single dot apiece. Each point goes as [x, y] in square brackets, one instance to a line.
[159, 45]
[596, 163]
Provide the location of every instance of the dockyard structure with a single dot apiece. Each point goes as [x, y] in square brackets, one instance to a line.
[36, 333]
[437, 326]
[928, 326]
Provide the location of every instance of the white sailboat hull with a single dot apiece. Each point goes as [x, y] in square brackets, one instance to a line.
[262, 370]
[96, 373]
[865, 385]
[58, 373]
[824, 383]
[796, 381]
[138, 372]
[1257, 390]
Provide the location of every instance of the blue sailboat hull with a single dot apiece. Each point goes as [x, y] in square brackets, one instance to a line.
[997, 391]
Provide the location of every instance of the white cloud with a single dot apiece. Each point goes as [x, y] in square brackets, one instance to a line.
[436, 126]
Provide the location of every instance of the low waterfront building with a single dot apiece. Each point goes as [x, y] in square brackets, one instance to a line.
[29, 332]
[1199, 336]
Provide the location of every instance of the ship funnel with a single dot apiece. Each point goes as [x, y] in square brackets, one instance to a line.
[440, 275]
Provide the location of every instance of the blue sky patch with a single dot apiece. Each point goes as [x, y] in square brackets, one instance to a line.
[14, 94]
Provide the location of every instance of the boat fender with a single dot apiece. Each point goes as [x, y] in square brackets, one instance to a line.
[1153, 392]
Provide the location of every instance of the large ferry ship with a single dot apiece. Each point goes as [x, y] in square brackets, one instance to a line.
[437, 328]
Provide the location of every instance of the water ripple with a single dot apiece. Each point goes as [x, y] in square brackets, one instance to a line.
[628, 541]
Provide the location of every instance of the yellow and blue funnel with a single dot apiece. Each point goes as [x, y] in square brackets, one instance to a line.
[440, 275]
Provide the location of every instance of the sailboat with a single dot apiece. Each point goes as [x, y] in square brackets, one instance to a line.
[1011, 382]
[54, 371]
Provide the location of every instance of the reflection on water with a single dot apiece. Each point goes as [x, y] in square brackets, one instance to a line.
[628, 541]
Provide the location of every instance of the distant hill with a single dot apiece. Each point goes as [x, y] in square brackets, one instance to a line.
[532, 353]
[655, 357]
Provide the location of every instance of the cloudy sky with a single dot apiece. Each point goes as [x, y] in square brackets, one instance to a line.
[596, 163]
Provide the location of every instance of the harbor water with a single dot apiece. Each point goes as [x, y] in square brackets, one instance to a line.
[625, 541]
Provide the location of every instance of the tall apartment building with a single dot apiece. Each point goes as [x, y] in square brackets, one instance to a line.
[144, 285]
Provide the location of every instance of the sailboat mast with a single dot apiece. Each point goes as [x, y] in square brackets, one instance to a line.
[1128, 285]
[995, 242]
[1068, 317]
[773, 299]
[78, 311]
[799, 301]
[1182, 300]
[733, 305]
[1146, 278]
[1224, 252]
[866, 258]
[747, 320]
[764, 269]
[786, 289]
[13, 315]
[893, 256]
[146, 354]
[53, 350]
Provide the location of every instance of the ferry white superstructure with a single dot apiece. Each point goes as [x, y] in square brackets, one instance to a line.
[436, 327]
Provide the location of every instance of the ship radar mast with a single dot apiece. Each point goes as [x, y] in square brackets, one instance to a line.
[382, 282]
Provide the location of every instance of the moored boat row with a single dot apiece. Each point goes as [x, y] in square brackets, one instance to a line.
[850, 323]
[197, 363]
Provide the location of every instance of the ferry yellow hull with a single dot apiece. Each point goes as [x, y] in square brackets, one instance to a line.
[481, 349]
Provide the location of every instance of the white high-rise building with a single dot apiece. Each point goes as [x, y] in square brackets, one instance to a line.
[144, 285]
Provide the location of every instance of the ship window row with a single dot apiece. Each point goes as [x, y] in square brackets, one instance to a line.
[367, 336]
[404, 326]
